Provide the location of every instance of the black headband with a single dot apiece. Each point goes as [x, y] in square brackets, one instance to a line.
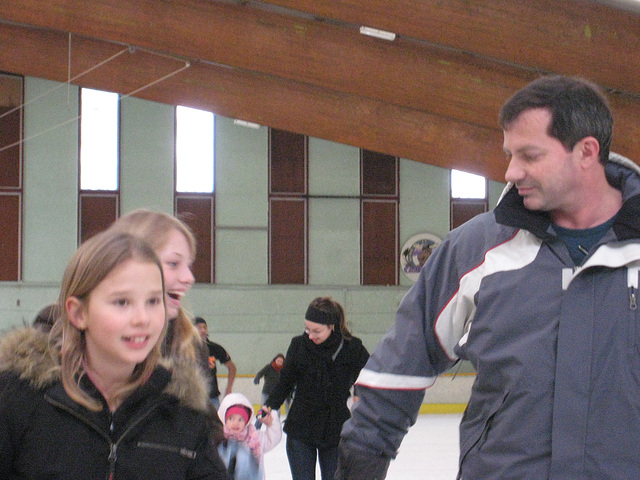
[319, 316]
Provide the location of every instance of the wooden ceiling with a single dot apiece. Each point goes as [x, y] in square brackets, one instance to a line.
[431, 95]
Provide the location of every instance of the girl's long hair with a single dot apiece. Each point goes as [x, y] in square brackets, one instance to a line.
[155, 229]
[94, 260]
[329, 305]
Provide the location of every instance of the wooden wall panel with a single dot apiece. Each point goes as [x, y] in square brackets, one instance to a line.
[197, 211]
[10, 127]
[287, 241]
[379, 174]
[97, 212]
[463, 210]
[287, 162]
[10, 237]
[379, 242]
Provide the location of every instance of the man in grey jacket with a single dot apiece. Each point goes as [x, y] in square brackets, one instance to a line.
[540, 296]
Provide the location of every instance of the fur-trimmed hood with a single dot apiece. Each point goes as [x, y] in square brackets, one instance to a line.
[25, 352]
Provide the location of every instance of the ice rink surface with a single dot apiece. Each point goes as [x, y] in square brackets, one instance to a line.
[430, 450]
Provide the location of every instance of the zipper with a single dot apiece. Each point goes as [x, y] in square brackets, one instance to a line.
[185, 452]
[113, 446]
[632, 282]
[113, 455]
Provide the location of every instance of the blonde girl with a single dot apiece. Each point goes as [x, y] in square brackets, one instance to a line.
[94, 399]
[175, 245]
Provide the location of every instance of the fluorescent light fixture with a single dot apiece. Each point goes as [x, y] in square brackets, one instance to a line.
[374, 32]
[244, 123]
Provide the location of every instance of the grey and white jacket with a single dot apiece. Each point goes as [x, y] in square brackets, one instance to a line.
[556, 347]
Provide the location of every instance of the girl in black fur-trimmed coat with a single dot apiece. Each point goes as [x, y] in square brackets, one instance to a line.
[92, 400]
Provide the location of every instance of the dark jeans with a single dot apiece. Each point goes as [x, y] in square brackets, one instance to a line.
[302, 460]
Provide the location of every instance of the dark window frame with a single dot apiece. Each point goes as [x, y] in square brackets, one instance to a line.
[12, 187]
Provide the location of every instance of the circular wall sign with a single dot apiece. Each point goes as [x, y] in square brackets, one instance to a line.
[415, 252]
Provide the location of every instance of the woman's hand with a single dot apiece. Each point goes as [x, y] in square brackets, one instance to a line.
[264, 416]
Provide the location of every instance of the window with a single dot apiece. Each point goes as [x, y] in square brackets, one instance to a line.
[194, 150]
[467, 185]
[468, 197]
[99, 200]
[11, 101]
[194, 188]
[98, 140]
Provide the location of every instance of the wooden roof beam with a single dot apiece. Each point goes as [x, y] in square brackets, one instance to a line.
[267, 100]
[404, 75]
[404, 72]
[580, 37]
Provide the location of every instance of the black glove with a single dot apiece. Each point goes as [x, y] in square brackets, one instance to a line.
[357, 465]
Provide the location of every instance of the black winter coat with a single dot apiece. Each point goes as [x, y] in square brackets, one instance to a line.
[322, 387]
[160, 431]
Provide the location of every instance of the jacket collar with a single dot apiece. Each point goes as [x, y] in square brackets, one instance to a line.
[25, 352]
[621, 173]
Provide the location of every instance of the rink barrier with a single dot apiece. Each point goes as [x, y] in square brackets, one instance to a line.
[449, 394]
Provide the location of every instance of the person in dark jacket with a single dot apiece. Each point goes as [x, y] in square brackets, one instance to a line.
[271, 374]
[93, 399]
[322, 365]
[215, 353]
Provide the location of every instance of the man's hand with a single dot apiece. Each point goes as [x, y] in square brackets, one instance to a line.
[356, 465]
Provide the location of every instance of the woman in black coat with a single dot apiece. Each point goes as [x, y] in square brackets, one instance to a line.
[322, 366]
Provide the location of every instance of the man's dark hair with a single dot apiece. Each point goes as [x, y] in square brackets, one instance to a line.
[578, 109]
[200, 320]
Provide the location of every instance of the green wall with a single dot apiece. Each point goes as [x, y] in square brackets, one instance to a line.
[252, 319]
[146, 155]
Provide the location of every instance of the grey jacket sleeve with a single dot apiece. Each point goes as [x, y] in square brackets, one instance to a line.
[420, 345]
